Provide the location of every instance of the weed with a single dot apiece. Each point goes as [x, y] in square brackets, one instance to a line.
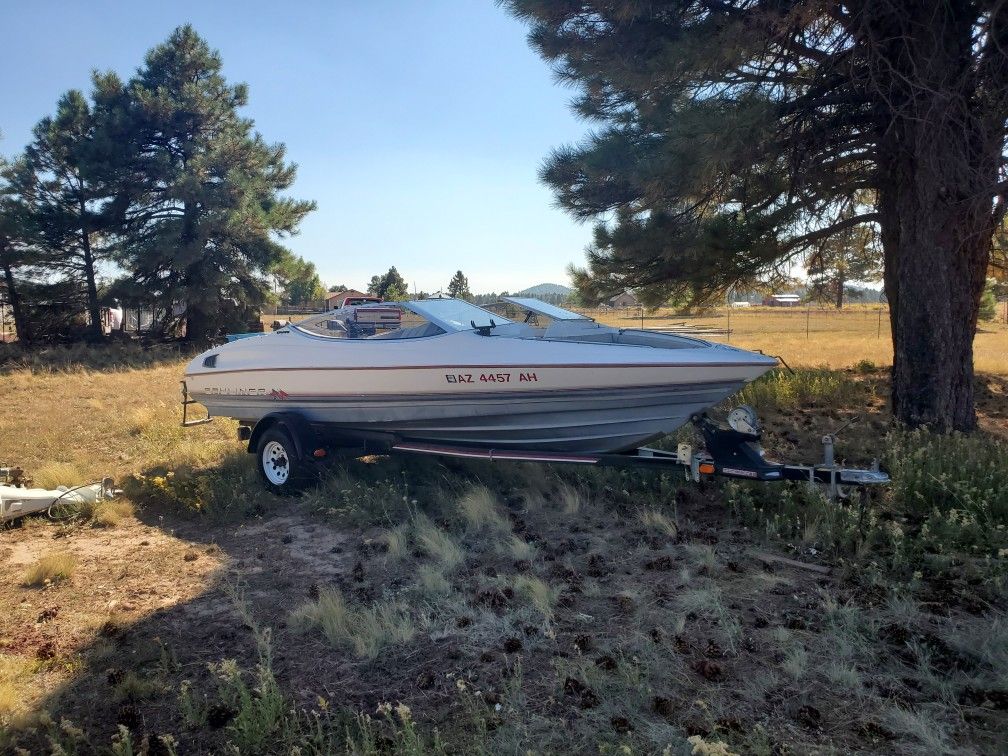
[55, 474]
[260, 711]
[438, 544]
[782, 389]
[364, 630]
[795, 664]
[133, 687]
[51, 568]
[652, 519]
[480, 509]
[193, 707]
[207, 491]
[397, 541]
[111, 512]
[955, 485]
[519, 549]
[538, 593]
[432, 580]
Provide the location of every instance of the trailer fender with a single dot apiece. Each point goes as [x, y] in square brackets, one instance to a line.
[296, 426]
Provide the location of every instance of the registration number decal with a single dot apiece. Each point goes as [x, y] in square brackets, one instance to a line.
[489, 377]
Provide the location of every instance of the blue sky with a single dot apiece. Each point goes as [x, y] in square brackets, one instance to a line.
[418, 127]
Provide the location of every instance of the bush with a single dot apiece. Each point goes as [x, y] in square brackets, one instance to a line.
[955, 486]
[782, 389]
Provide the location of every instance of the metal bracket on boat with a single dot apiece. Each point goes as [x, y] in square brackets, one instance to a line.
[186, 401]
[483, 330]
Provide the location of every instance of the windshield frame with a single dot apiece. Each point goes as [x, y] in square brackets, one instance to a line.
[551, 311]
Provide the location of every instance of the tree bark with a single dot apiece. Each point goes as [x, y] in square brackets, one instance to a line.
[21, 324]
[94, 309]
[939, 158]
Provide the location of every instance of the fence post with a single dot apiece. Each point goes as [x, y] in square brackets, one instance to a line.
[879, 334]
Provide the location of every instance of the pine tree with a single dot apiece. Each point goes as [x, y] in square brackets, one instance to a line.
[297, 279]
[729, 133]
[64, 195]
[15, 254]
[391, 286]
[459, 286]
[203, 207]
[853, 254]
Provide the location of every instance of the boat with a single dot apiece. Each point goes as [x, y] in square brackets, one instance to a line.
[544, 379]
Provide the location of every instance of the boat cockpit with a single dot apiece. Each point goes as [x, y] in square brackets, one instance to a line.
[512, 317]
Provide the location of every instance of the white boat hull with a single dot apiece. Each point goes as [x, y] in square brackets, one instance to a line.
[466, 389]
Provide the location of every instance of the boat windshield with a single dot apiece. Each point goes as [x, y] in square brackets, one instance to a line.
[455, 314]
[544, 308]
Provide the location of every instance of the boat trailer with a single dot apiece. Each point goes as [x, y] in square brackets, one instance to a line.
[731, 451]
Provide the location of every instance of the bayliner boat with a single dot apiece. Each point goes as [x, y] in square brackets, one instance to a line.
[546, 379]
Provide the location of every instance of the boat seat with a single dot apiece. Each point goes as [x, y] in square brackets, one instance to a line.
[411, 332]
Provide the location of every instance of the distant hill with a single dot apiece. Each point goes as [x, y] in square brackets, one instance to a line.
[545, 290]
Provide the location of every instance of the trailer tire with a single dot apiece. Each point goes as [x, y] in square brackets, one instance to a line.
[279, 464]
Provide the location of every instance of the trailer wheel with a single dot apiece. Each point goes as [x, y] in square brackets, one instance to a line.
[279, 464]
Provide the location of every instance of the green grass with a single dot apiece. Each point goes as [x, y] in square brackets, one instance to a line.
[783, 389]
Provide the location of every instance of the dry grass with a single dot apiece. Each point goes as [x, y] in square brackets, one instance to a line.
[52, 475]
[51, 568]
[366, 630]
[538, 593]
[15, 676]
[438, 544]
[834, 339]
[105, 423]
[480, 508]
[652, 519]
[111, 512]
[519, 549]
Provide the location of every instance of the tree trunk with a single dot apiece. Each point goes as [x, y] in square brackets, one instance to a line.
[21, 324]
[840, 283]
[938, 160]
[94, 310]
[199, 321]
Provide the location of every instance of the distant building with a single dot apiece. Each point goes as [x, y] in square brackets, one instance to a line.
[334, 298]
[626, 299]
[782, 300]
